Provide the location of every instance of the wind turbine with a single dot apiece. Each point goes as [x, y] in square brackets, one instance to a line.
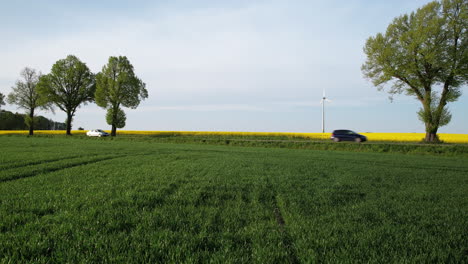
[324, 99]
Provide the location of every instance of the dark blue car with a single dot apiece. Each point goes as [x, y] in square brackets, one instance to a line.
[347, 135]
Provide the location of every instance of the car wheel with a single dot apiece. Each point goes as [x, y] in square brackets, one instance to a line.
[336, 139]
[358, 140]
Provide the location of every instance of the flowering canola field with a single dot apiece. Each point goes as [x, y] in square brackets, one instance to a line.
[389, 137]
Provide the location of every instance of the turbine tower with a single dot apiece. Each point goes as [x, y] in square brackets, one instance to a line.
[324, 99]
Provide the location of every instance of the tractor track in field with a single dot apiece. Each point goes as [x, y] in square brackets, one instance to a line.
[288, 242]
[162, 196]
[19, 165]
[54, 169]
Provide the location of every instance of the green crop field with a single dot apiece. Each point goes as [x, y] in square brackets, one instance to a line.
[92, 200]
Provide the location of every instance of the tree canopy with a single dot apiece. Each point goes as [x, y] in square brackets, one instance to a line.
[25, 96]
[69, 84]
[117, 86]
[423, 54]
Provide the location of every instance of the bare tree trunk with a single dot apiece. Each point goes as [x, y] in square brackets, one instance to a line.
[114, 131]
[31, 122]
[431, 133]
[431, 137]
[69, 121]
[430, 119]
[114, 120]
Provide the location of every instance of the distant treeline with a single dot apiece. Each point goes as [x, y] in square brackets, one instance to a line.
[15, 121]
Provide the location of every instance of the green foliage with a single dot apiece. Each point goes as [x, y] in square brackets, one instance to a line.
[29, 121]
[116, 86]
[421, 53]
[425, 115]
[16, 121]
[116, 117]
[2, 100]
[69, 84]
[25, 95]
[102, 200]
[11, 121]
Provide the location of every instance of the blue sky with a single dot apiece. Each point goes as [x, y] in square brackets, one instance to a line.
[221, 65]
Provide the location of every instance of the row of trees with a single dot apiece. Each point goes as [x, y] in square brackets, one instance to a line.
[71, 84]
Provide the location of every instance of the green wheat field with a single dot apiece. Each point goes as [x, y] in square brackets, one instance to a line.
[80, 200]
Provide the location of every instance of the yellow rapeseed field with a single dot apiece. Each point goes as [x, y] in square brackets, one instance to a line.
[390, 137]
[228, 133]
[415, 137]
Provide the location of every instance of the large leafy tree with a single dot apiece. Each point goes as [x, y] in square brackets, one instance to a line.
[423, 54]
[69, 84]
[117, 86]
[26, 96]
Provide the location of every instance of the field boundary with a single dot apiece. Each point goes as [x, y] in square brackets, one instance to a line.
[378, 147]
[445, 149]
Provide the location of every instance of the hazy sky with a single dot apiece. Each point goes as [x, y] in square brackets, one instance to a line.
[221, 65]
